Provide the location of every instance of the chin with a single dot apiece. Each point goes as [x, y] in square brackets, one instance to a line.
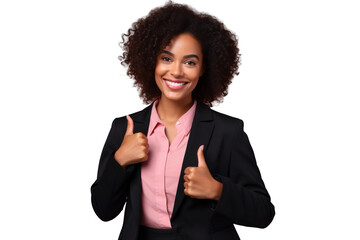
[175, 97]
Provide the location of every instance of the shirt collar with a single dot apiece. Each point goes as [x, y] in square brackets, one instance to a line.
[185, 121]
[183, 124]
[154, 118]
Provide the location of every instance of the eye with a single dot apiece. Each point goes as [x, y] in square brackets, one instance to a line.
[191, 63]
[166, 59]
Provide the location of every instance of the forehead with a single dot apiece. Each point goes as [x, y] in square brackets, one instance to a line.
[184, 43]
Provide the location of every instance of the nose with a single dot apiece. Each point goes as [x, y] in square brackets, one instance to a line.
[176, 70]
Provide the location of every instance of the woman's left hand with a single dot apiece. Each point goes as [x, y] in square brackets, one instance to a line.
[199, 182]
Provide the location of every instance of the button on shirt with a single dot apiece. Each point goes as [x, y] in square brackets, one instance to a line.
[160, 173]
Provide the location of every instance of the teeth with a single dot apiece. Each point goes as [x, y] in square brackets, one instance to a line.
[175, 84]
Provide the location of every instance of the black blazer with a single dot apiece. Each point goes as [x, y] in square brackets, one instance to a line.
[230, 158]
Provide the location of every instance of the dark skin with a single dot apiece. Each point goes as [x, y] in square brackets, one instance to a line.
[177, 73]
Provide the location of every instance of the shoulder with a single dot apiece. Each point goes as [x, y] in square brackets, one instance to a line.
[223, 123]
[227, 121]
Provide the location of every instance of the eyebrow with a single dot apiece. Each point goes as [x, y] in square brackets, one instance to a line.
[186, 56]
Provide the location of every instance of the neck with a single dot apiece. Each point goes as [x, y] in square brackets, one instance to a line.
[171, 111]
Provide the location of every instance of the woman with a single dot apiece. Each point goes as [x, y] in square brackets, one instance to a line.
[184, 170]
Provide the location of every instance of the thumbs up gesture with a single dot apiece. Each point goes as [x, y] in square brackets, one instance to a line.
[134, 147]
[199, 182]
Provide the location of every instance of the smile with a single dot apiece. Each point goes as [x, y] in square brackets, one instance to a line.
[174, 85]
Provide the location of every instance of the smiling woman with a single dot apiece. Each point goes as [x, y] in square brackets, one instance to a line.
[149, 36]
[184, 170]
[178, 69]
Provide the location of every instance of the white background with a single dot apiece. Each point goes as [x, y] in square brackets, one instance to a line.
[297, 92]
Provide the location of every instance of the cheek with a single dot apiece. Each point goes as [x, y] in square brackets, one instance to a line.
[194, 75]
[158, 81]
[195, 84]
[195, 80]
[160, 70]
[158, 74]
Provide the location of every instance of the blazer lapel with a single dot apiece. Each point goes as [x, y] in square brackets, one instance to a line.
[141, 124]
[142, 119]
[200, 134]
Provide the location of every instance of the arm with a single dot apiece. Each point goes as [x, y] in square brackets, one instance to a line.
[244, 198]
[109, 191]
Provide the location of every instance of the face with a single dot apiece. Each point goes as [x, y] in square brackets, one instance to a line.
[178, 68]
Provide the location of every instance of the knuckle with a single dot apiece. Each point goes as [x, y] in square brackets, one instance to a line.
[189, 192]
[141, 141]
[186, 177]
[186, 192]
[142, 155]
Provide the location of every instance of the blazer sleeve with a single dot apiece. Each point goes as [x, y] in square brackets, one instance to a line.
[110, 190]
[244, 199]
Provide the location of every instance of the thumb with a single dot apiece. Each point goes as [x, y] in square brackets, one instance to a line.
[201, 158]
[130, 126]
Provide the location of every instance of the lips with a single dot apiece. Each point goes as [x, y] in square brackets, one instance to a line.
[174, 85]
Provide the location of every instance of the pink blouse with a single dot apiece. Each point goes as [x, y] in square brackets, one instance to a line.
[160, 173]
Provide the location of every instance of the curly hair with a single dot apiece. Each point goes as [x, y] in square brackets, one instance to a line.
[149, 35]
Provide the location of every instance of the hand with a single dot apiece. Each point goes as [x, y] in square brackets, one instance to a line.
[199, 182]
[134, 147]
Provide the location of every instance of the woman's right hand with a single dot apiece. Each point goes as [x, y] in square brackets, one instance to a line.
[134, 147]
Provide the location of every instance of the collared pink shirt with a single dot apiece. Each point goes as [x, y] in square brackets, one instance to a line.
[160, 173]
